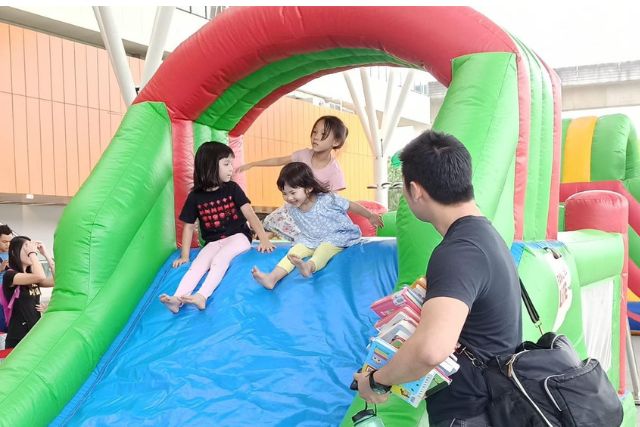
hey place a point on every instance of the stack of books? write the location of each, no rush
(399, 316)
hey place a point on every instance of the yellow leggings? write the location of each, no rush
(320, 255)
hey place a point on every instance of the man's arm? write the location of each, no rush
(435, 338)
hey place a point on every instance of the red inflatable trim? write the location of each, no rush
(243, 40)
(552, 217)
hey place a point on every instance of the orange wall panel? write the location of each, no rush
(71, 139)
(8, 181)
(20, 148)
(92, 78)
(44, 66)
(5, 59)
(84, 156)
(60, 105)
(103, 80)
(59, 149)
(80, 52)
(16, 38)
(105, 129)
(48, 162)
(33, 146)
(31, 63)
(114, 92)
(69, 74)
(57, 70)
(94, 136)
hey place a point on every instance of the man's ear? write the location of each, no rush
(416, 192)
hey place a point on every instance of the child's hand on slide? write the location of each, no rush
(179, 262)
(266, 246)
(376, 220)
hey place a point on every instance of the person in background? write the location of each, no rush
(22, 280)
(6, 234)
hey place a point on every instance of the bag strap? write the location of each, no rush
(465, 350)
(531, 309)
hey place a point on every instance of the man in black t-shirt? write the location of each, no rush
(473, 293)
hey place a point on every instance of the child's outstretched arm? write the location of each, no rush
(265, 245)
(187, 235)
(374, 219)
(275, 161)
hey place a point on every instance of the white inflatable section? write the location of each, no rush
(597, 313)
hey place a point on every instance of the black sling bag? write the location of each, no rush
(545, 384)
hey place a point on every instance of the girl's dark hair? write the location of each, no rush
(15, 248)
(300, 175)
(333, 125)
(205, 171)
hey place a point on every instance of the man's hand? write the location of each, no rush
(179, 262)
(365, 391)
(42, 307)
(4, 264)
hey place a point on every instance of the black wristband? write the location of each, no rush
(32, 252)
(377, 387)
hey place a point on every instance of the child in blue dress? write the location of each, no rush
(321, 216)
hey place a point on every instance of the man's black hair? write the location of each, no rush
(441, 165)
(5, 229)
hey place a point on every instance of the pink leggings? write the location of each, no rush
(215, 257)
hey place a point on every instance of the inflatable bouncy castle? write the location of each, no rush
(603, 153)
(115, 355)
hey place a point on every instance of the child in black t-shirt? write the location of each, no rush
(222, 210)
(24, 278)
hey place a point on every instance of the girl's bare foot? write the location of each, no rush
(306, 267)
(264, 279)
(172, 303)
(198, 300)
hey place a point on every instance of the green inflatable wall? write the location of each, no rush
(115, 259)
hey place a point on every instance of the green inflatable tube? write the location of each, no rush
(108, 251)
(482, 115)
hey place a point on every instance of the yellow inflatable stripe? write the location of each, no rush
(631, 297)
(577, 150)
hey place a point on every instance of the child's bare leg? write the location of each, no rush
(307, 268)
(268, 280)
(172, 303)
(196, 299)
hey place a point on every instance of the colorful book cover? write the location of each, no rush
(397, 333)
(390, 303)
(404, 313)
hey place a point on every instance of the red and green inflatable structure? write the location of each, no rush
(502, 101)
(603, 153)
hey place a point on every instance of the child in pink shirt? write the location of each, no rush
(328, 133)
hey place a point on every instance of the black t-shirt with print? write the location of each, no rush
(217, 211)
(473, 264)
(24, 315)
